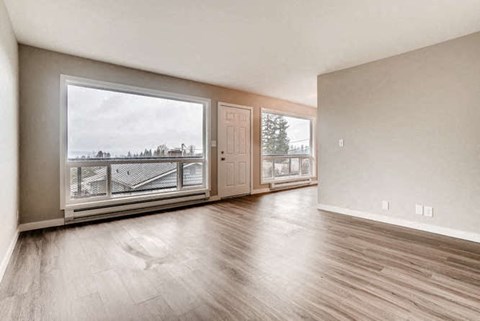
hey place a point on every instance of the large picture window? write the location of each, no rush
(127, 142)
(286, 147)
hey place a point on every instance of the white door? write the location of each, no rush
(233, 150)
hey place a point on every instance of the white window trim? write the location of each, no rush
(312, 142)
(97, 84)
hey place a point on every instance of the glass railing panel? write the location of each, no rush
(281, 167)
(140, 178)
(306, 167)
(192, 174)
(294, 166)
(267, 169)
(88, 181)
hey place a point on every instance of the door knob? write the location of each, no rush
(223, 158)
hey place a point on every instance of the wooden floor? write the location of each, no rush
(269, 257)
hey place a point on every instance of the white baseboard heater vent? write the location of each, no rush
(110, 211)
(275, 186)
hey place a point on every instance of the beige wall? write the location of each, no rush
(411, 128)
(39, 117)
(8, 133)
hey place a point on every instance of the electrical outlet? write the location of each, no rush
(428, 211)
(385, 205)
(419, 209)
(340, 142)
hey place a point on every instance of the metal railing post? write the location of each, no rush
(109, 180)
(79, 180)
(179, 175)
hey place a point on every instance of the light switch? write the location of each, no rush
(419, 209)
(385, 205)
(428, 211)
(340, 142)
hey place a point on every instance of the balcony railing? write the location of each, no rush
(285, 167)
(93, 180)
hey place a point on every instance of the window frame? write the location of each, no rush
(66, 203)
(311, 156)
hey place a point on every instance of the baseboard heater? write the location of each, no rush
(275, 186)
(117, 210)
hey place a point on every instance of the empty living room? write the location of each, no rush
(211, 160)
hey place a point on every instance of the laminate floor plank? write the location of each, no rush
(263, 257)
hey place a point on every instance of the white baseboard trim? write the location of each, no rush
(464, 235)
(260, 191)
(214, 198)
(41, 224)
(8, 255)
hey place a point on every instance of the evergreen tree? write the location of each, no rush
(275, 140)
(282, 141)
(161, 150)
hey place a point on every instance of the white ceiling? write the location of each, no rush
(271, 47)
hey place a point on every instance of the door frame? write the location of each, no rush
(250, 109)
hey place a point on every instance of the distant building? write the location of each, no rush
(142, 177)
(176, 152)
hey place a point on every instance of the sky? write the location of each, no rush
(298, 131)
(117, 122)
